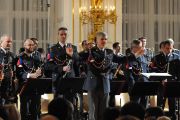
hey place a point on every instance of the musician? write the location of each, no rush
(63, 57)
(148, 53)
(97, 83)
(174, 49)
(136, 64)
(163, 63)
(7, 85)
(36, 52)
(117, 73)
(84, 55)
(28, 67)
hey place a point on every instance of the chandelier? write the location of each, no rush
(97, 15)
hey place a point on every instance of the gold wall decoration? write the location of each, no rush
(97, 14)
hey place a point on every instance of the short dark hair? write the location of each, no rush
(161, 44)
(61, 108)
(142, 38)
(135, 42)
(115, 45)
(83, 42)
(154, 112)
(34, 40)
(111, 113)
(167, 42)
(62, 28)
(134, 109)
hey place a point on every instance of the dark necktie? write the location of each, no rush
(64, 47)
(167, 58)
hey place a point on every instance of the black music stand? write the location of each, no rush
(172, 89)
(37, 86)
(71, 86)
(157, 76)
(145, 88)
(118, 87)
(74, 84)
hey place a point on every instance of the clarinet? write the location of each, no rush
(68, 64)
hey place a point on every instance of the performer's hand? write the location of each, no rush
(69, 51)
(1, 76)
(66, 68)
(38, 72)
(33, 75)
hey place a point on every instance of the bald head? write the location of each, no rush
(5, 41)
(29, 45)
(48, 117)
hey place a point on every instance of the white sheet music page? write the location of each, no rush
(156, 74)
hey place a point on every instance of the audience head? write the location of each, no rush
(134, 109)
(153, 113)
(111, 113)
(62, 34)
(128, 117)
(163, 118)
(3, 113)
(49, 117)
(61, 108)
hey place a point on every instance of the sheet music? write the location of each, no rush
(148, 75)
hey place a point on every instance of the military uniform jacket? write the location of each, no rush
(135, 66)
(25, 65)
(99, 67)
(8, 65)
(58, 59)
(171, 64)
(83, 62)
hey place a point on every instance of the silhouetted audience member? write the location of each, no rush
(61, 108)
(111, 113)
(134, 109)
(49, 117)
(163, 118)
(153, 113)
(3, 113)
(128, 117)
